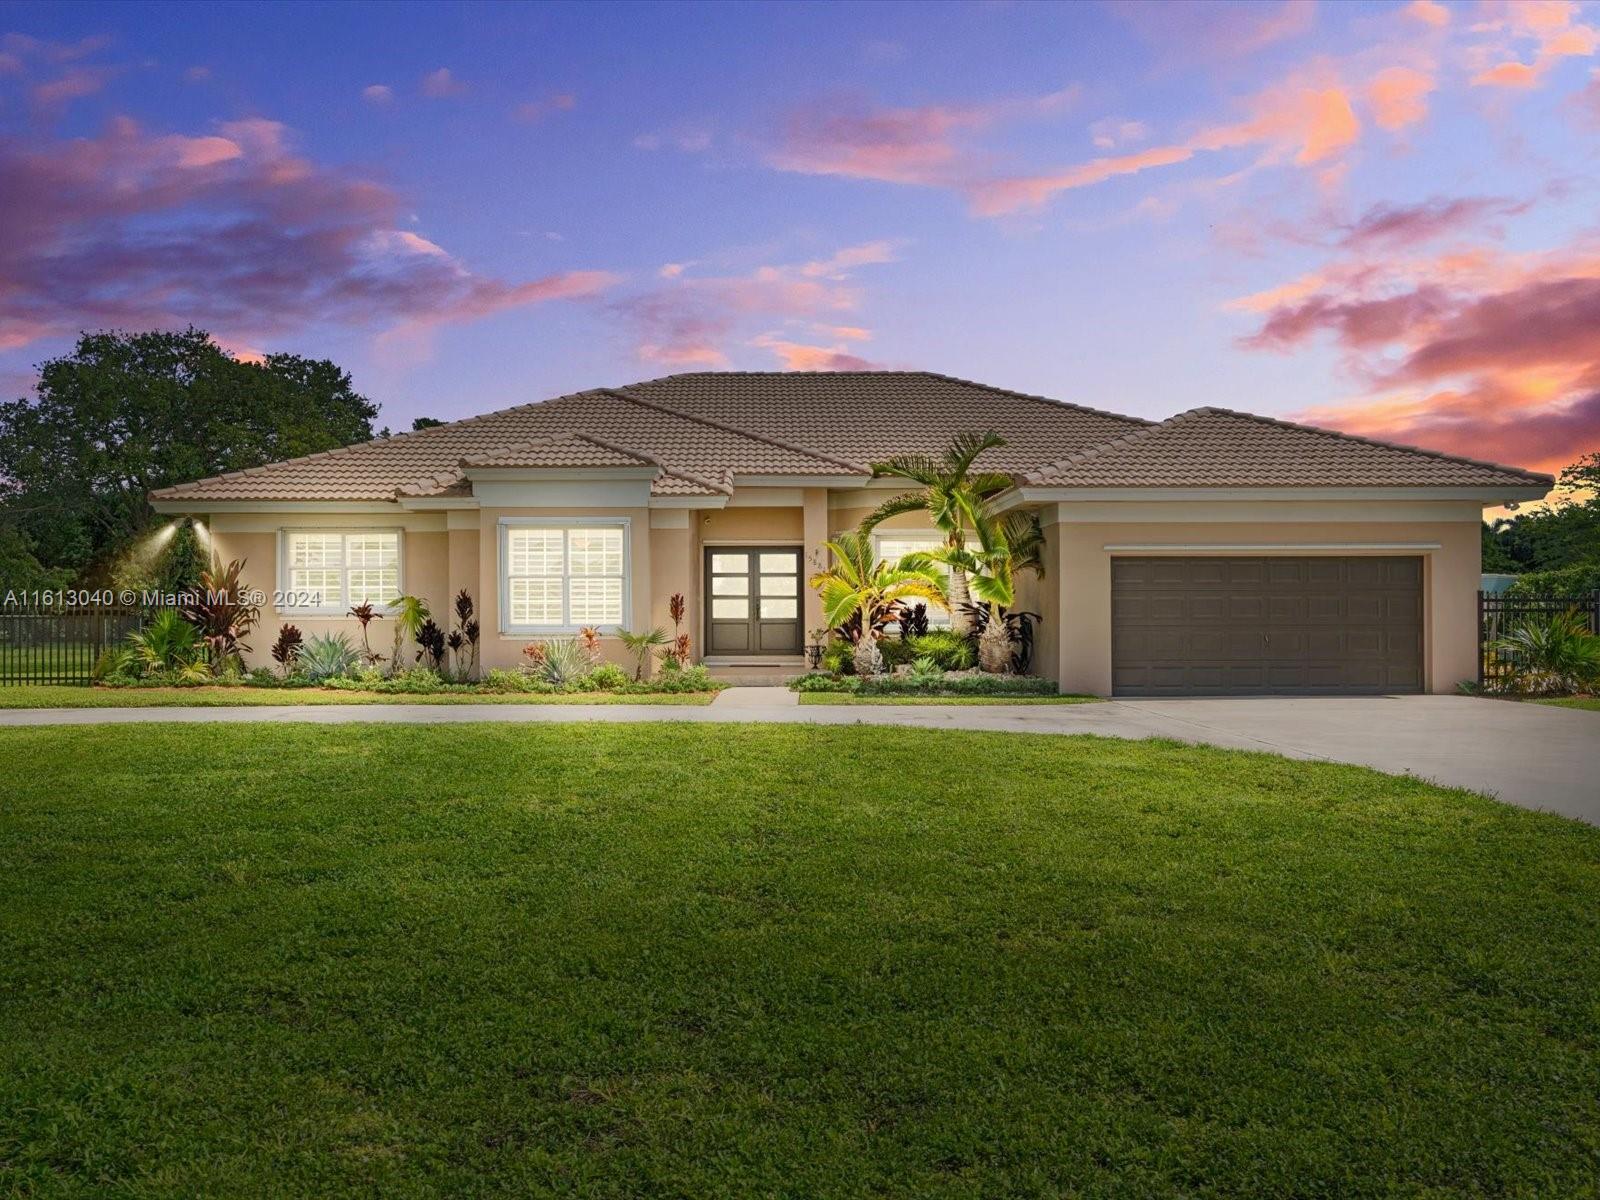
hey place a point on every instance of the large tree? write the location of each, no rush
(126, 413)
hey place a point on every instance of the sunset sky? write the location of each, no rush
(1380, 217)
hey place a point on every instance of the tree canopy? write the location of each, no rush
(1563, 534)
(125, 413)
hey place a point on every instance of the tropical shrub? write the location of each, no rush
(366, 615)
(678, 653)
(463, 639)
(607, 677)
(328, 656)
(926, 685)
(913, 621)
(895, 652)
(925, 670)
(220, 612)
(949, 649)
(1551, 653)
(838, 657)
(430, 644)
(286, 650)
(1581, 580)
(166, 643)
(115, 662)
(860, 584)
(689, 679)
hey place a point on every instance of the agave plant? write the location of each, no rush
(221, 612)
(167, 642)
(860, 584)
(642, 645)
(926, 670)
(564, 662)
(286, 650)
(328, 656)
(1554, 652)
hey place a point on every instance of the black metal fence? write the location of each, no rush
(1499, 614)
(60, 645)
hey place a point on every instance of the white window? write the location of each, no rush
(331, 570)
(557, 577)
(892, 547)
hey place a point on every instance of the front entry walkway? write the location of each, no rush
(1532, 755)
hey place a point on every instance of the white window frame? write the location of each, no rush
(286, 590)
(507, 524)
(938, 618)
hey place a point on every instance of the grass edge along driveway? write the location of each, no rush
(67, 696)
(629, 961)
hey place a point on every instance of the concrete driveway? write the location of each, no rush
(1526, 754)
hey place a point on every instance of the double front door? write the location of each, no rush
(753, 603)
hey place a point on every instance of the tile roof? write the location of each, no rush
(1216, 447)
(559, 450)
(868, 416)
(419, 463)
(702, 429)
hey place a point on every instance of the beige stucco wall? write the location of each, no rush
(1080, 646)
(253, 538)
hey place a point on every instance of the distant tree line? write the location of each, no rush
(126, 413)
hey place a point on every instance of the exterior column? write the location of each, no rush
(814, 532)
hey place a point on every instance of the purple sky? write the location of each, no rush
(1376, 216)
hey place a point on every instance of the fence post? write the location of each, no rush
(1482, 649)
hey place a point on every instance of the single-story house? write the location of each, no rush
(1215, 552)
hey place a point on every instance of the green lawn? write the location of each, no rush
(846, 698)
(778, 961)
(1590, 702)
(50, 696)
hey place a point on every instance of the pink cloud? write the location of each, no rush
(1398, 97)
(1428, 12)
(538, 110)
(689, 320)
(231, 230)
(797, 356)
(1480, 352)
(378, 93)
(835, 266)
(1208, 30)
(74, 85)
(441, 83)
(901, 145)
(1387, 226)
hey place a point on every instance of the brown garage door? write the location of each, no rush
(1266, 626)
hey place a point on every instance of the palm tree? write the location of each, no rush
(1006, 544)
(642, 644)
(859, 582)
(952, 495)
(410, 614)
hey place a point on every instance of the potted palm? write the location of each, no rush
(858, 583)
